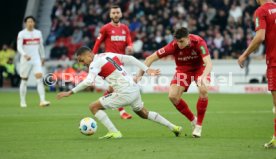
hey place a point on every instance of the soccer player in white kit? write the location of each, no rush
(126, 91)
(30, 46)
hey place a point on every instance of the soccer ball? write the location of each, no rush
(88, 126)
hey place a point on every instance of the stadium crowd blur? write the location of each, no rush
(226, 25)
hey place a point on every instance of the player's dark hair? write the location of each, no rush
(82, 50)
(114, 6)
(29, 17)
(181, 33)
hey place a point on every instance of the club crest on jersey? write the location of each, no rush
(194, 53)
(180, 53)
(113, 32)
(123, 32)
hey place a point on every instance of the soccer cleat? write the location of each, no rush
(193, 123)
(112, 135)
(44, 104)
(197, 131)
(177, 130)
(125, 115)
(271, 144)
(23, 105)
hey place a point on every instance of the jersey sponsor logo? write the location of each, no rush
(257, 22)
(161, 51)
(118, 38)
(203, 51)
(35, 41)
(114, 63)
(187, 58)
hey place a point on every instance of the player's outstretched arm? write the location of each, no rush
(202, 80)
(64, 94)
(149, 60)
(255, 43)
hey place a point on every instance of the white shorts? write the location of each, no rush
(117, 100)
(27, 67)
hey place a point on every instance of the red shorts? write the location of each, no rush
(185, 79)
(271, 78)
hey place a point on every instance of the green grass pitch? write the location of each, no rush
(235, 127)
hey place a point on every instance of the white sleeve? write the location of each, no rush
(132, 60)
(41, 47)
(20, 44)
(89, 80)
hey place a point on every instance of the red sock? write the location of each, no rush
(275, 127)
(120, 109)
(201, 109)
(183, 108)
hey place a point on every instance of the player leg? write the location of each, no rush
(97, 109)
(40, 85)
(25, 69)
(202, 103)
(139, 109)
(123, 113)
(271, 72)
(178, 86)
(101, 84)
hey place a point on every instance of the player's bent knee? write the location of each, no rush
(174, 99)
(38, 75)
(203, 92)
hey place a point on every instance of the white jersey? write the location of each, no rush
(109, 66)
(30, 43)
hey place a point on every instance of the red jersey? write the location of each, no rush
(116, 38)
(265, 18)
(188, 59)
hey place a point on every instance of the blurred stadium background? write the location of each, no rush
(226, 25)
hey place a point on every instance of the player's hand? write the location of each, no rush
(241, 61)
(136, 79)
(42, 62)
(129, 50)
(153, 72)
(27, 57)
(64, 94)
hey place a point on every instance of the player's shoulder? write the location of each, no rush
(195, 38)
(36, 31)
(106, 26)
(123, 25)
(23, 31)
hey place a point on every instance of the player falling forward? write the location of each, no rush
(126, 92)
(193, 64)
(117, 39)
(265, 27)
(30, 46)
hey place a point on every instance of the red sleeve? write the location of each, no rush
(259, 19)
(99, 40)
(128, 37)
(202, 48)
(166, 50)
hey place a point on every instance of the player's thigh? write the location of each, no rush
(25, 70)
(38, 70)
(115, 100)
(175, 91)
(137, 104)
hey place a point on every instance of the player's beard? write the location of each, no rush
(115, 20)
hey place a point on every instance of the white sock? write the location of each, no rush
(40, 89)
(23, 91)
(103, 118)
(159, 119)
(122, 112)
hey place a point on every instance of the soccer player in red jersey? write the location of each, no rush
(117, 39)
(193, 64)
(265, 27)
